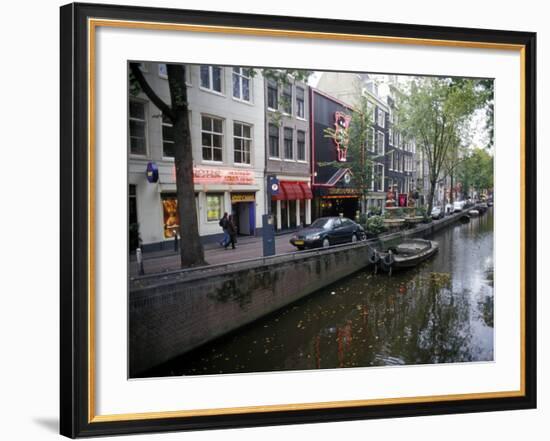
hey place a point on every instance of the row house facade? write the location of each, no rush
(288, 152)
(392, 153)
(226, 107)
(401, 156)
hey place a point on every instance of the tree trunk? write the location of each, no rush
(452, 198)
(191, 250)
(433, 183)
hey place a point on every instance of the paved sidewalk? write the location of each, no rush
(248, 247)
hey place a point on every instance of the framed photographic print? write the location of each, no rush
(273, 220)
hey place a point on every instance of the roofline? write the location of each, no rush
(330, 97)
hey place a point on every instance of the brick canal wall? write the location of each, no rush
(173, 313)
(178, 312)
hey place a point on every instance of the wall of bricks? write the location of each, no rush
(168, 318)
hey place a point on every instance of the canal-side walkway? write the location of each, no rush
(251, 247)
(248, 247)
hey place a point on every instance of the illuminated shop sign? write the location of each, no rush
(341, 134)
(212, 175)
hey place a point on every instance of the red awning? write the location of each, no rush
(281, 196)
(293, 190)
(306, 190)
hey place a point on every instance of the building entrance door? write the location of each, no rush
(243, 208)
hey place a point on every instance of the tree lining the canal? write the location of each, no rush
(177, 112)
(476, 171)
(436, 111)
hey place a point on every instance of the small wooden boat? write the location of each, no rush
(473, 213)
(408, 254)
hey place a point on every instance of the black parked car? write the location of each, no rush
(327, 231)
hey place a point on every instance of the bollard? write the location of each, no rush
(139, 258)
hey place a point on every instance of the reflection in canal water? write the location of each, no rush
(440, 312)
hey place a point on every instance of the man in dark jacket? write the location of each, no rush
(232, 231)
(224, 223)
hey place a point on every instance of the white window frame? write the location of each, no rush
(375, 173)
(372, 108)
(293, 158)
(145, 130)
(276, 158)
(303, 118)
(243, 139)
(211, 133)
(211, 79)
(381, 118)
(378, 133)
(167, 124)
(281, 103)
(273, 109)
(241, 77)
(305, 146)
(372, 146)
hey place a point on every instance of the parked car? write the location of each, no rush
(448, 209)
(438, 213)
(327, 231)
(458, 206)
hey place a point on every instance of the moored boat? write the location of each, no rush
(408, 254)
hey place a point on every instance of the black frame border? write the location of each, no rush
(74, 219)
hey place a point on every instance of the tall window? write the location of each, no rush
(214, 206)
(289, 151)
(381, 118)
(273, 141)
(301, 141)
(372, 110)
(242, 140)
(371, 138)
(378, 178)
(300, 103)
(138, 126)
(167, 137)
(390, 137)
(272, 95)
(380, 143)
(241, 83)
(212, 138)
(211, 78)
(287, 99)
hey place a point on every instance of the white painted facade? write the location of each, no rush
(222, 106)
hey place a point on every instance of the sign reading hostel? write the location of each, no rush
(214, 175)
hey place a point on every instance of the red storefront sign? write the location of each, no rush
(214, 175)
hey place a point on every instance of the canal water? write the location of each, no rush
(439, 312)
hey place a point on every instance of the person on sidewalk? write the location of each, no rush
(223, 223)
(232, 230)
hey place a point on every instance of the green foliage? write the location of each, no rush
(422, 211)
(375, 225)
(376, 211)
(437, 112)
(476, 171)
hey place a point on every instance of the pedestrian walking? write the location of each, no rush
(232, 230)
(224, 224)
